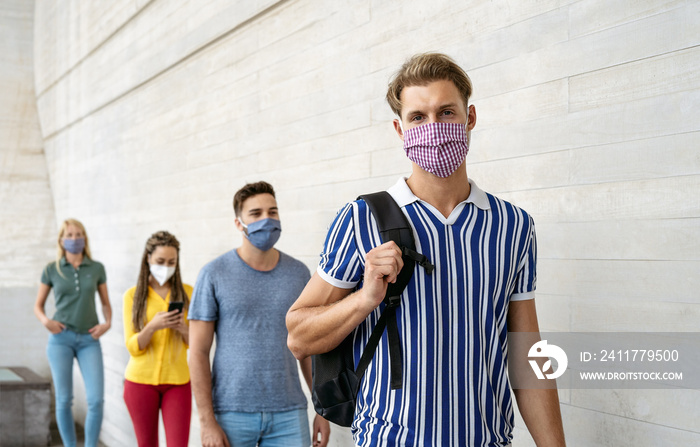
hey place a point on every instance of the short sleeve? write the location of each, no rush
(102, 277)
(341, 264)
(204, 305)
(526, 279)
(46, 277)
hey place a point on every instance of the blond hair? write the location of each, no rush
(423, 69)
(60, 251)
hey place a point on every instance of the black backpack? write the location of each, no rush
(335, 380)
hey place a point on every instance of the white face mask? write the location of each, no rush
(161, 273)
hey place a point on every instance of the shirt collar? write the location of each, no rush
(403, 195)
(85, 261)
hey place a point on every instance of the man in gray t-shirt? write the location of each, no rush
(252, 394)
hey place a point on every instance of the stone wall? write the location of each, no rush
(154, 112)
(27, 220)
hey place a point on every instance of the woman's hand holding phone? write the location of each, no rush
(165, 320)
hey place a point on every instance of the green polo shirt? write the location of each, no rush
(74, 292)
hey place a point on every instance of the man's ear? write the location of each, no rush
(471, 117)
(237, 222)
(397, 127)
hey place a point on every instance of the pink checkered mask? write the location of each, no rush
(439, 148)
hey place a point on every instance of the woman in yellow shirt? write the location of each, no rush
(157, 376)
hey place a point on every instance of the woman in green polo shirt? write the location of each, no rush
(75, 329)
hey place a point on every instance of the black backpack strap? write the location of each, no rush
(372, 343)
(395, 353)
(393, 226)
(386, 320)
(422, 260)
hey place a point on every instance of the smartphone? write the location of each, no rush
(176, 305)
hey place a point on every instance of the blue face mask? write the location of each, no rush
(74, 246)
(264, 233)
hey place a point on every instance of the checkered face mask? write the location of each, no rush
(439, 148)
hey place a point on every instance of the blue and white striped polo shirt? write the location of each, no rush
(452, 324)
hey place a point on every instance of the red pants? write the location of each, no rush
(144, 401)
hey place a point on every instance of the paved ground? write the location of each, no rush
(56, 438)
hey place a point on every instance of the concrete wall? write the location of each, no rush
(27, 222)
(154, 112)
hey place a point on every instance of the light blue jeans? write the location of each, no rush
(62, 348)
(273, 429)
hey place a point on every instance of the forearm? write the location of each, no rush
(144, 337)
(107, 313)
(307, 372)
(106, 306)
(542, 415)
(186, 335)
(40, 313)
(538, 407)
(315, 330)
(40, 302)
(183, 329)
(200, 377)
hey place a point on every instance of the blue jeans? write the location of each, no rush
(267, 429)
(62, 348)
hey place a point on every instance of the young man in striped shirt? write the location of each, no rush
(452, 323)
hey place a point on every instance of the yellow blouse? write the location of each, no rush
(164, 360)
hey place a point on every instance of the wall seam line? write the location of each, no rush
(186, 57)
(94, 50)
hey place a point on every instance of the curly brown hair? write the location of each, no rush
(177, 291)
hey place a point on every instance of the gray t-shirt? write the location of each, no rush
(253, 368)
